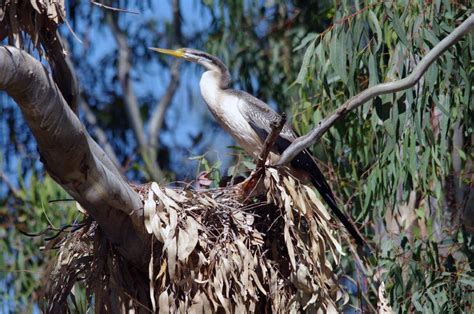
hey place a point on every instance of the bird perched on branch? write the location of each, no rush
(249, 121)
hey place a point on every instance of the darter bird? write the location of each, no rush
(249, 121)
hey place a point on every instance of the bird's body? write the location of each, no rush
(249, 121)
(238, 110)
(230, 116)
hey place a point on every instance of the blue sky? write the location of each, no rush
(188, 112)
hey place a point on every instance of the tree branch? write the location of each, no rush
(108, 7)
(269, 141)
(72, 157)
(61, 65)
(123, 73)
(304, 141)
(10, 186)
(158, 115)
(64, 76)
(130, 99)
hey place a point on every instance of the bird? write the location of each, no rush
(249, 121)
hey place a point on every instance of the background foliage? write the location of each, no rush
(401, 165)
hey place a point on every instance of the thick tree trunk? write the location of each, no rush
(72, 157)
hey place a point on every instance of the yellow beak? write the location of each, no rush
(178, 53)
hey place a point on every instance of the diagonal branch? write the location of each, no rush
(123, 73)
(108, 7)
(158, 115)
(10, 186)
(270, 141)
(304, 141)
(61, 65)
(72, 157)
(64, 76)
(130, 98)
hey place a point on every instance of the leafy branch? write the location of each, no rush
(315, 134)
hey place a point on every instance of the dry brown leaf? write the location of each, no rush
(152, 283)
(217, 285)
(171, 250)
(383, 305)
(156, 228)
(320, 206)
(149, 210)
(289, 246)
(231, 270)
(177, 197)
(164, 303)
(183, 240)
(34, 4)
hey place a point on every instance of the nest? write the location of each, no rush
(34, 17)
(222, 249)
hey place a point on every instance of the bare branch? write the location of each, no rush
(123, 69)
(61, 66)
(131, 102)
(71, 156)
(65, 79)
(304, 141)
(10, 186)
(158, 115)
(178, 36)
(101, 5)
(269, 141)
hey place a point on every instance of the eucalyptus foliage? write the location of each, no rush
(33, 216)
(401, 163)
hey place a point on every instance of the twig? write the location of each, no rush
(52, 228)
(72, 31)
(61, 200)
(101, 5)
(251, 183)
(304, 141)
(270, 140)
(349, 17)
(9, 184)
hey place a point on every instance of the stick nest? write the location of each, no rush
(222, 249)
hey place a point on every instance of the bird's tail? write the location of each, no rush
(305, 161)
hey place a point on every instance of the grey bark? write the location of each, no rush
(72, 157)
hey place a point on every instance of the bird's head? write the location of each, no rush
(208, 61)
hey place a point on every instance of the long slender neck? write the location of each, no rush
(211, 89)
(224, 78)
(221, 73)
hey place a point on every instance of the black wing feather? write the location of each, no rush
(305, 161)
